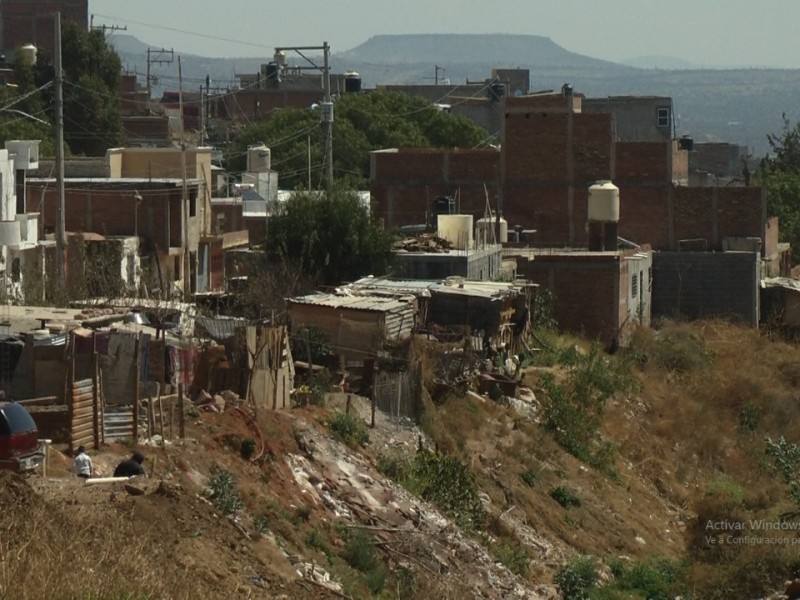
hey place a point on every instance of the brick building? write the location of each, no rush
(551, 153)
(31, 22)
(597, 294)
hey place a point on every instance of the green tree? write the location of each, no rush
(22, 111)
(779, 175)
(362, 123)
(331, 235)
(92, 121)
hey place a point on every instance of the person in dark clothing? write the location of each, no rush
(131, 466)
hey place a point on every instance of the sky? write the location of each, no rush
(713, 33)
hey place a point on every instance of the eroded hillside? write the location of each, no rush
(623, 458)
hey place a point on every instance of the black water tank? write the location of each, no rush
(686, 143)
(496, 91)
(352, 82)
(566, 89)
(273, 71)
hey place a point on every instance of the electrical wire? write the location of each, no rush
(184, 31)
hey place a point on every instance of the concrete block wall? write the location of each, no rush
(707, 284)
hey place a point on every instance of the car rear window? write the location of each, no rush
(15, 419)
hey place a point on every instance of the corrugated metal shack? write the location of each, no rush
(358, 326)
(373, 334)
(494, 311)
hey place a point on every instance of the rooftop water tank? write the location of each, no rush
(259, 159)
(496, 91)
(603, 202)
(486, 228)
(272, 71)
(352, 82)
(456, 229)
(26, 55)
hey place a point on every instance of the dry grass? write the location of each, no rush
(51, 551)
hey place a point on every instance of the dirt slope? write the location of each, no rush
(318, 519)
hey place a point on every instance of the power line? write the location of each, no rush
(184, 31)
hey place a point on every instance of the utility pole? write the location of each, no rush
(59, 130)
(185, 195)
(326, 106)
(157, 57)
(104, 28)
(436, 69)
(327, 115)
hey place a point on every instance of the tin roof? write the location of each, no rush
(452, 285)
(357, 302)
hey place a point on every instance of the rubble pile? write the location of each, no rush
(424, 242)
(405, 527)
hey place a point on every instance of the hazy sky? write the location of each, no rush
(703, 32)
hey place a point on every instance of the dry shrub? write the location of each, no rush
(53, 551)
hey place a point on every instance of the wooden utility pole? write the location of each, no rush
(185, 195)
(59, 131)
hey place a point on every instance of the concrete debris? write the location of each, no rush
(318, 575)
(424, 242)
(134, 490)
(352, 491)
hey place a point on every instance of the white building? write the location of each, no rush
(19, 231)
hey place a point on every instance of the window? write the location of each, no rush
(634, 286)
(193, 204)
(663, 116)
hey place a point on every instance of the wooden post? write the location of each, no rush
(181, 412)
(68, 392)
(347, 406)
(160, 414)
(308, 352)
(95, 402)
(136, 367)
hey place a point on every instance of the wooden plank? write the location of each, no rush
(136, 395)
(82, 430)
(181, 415)
(96, 417)
(83, 407)
(81, 421)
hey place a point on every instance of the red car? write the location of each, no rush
(19, 439)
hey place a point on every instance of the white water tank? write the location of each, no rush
(486, 228)
(259, 159)
(456, 229)
(26, 55)
(604, 202)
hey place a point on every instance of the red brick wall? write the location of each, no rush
(585, 289)
(593, 147)
(242, 103)
(739, 212)
(642, 162)
(644, 215)
(112, 212)
(404, 183)
(31, 21)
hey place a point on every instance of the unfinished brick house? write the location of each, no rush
(552, 151)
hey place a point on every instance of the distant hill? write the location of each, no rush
(497, 49)
(734, 105)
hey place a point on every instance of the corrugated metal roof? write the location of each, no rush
(357, 302)
(221, 328)
(422, 287)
